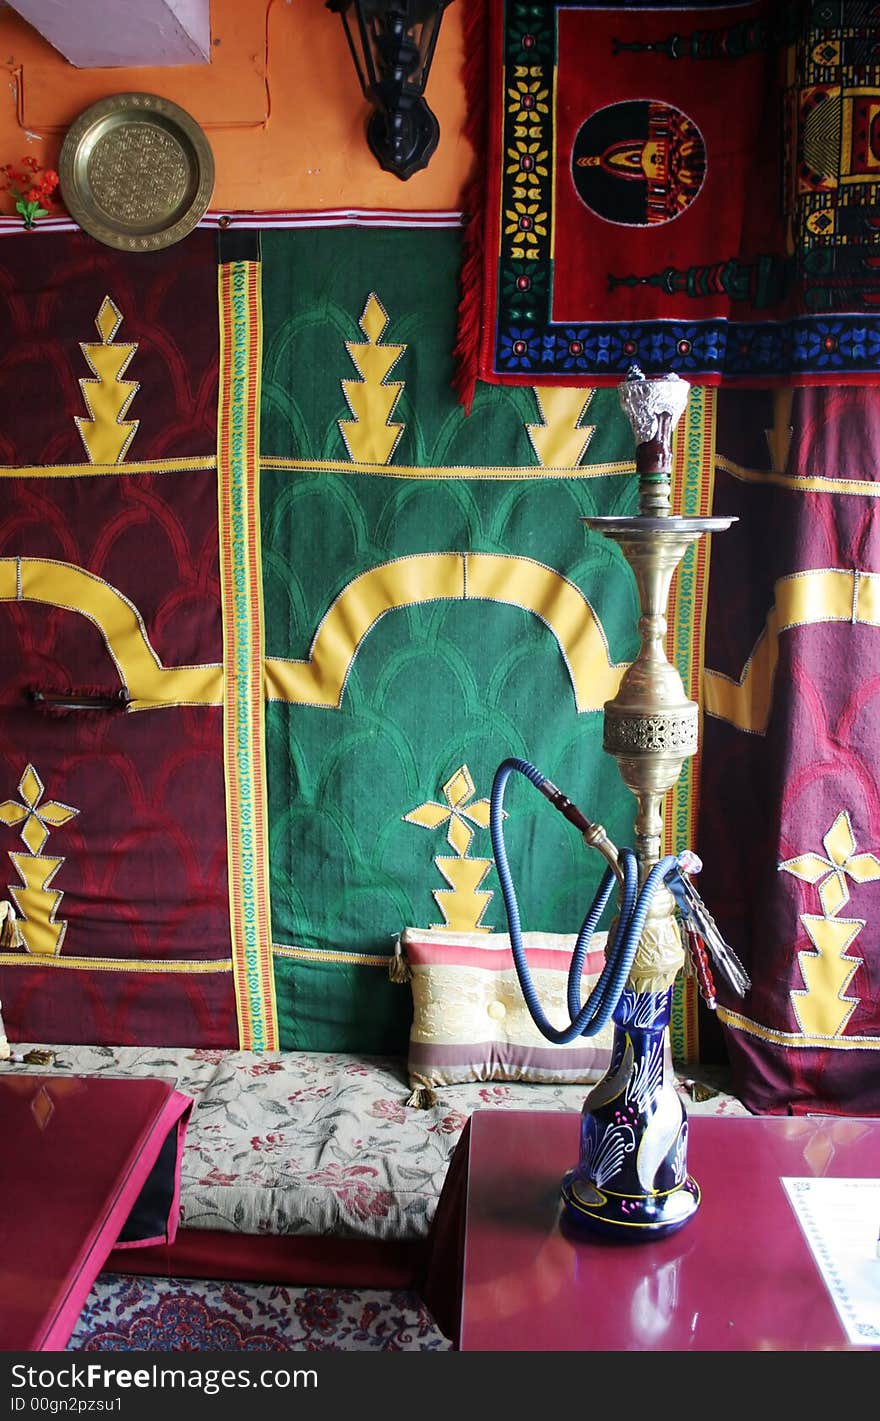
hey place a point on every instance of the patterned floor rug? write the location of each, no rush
(128, 1314)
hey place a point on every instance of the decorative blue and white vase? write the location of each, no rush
(631, 1179)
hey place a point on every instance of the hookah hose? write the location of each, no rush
(596, 1011)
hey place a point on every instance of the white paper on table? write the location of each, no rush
(840, 1219)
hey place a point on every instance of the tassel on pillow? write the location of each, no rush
(10, 932)
(422, 1098)
(398, 967)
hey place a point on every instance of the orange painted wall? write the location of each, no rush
(280, 104)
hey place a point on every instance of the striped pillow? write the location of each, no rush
(471, 1022)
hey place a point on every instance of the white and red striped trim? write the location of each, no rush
(329, 217)
(425, 954)
(333, 217)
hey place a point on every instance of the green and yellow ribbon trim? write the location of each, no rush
(238, 478)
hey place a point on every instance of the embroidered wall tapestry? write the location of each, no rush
(245, 494)
(790, 809)
(690, 187)
(432, 604)
(113, 820)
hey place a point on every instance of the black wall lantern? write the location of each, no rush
(392, 44)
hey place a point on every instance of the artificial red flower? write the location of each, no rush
(31, 188)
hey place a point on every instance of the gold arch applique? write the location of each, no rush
(182, 465)
(797, 483)
(433, 577)
(148, 682)
(502, 473)
(152, 966)
(739, 1022)
(801, 599)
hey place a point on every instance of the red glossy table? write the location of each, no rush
(738, 1277)
(75, 1153)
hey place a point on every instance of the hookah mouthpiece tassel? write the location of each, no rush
(700, 924)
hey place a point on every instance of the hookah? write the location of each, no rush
(631, 1179)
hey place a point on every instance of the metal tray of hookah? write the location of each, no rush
(667, 523)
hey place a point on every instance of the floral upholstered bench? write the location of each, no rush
(302, 1148)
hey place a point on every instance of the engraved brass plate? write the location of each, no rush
(136, 172)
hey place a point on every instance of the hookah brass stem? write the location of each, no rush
(651, 725)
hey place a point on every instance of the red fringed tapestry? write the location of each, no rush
(689, 187)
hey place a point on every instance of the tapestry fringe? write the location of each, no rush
(476, 88)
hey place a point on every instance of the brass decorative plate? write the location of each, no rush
(136, 172)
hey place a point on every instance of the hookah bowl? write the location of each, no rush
(631, 1178)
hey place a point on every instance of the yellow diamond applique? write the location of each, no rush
(863, 868)
(34, 833)
(809, 867)
(459, 788)
(479, 812)
(30, 787)
(108, 320)
(56, 814)
(459, 835)
(374, 319)
(839, 841)
(429, 815)
(11, 812)
(833, 894)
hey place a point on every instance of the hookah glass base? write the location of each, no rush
(631, 1179)
(633, 1218)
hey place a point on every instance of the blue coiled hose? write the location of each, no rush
(590, 1017)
